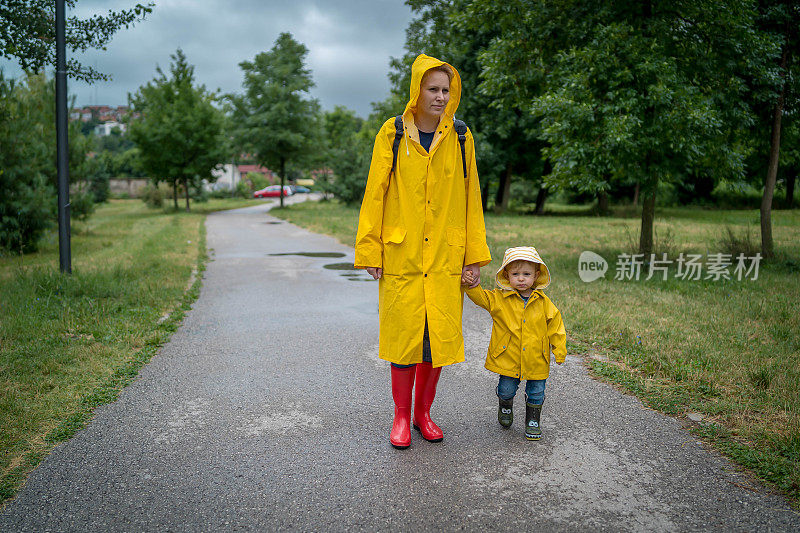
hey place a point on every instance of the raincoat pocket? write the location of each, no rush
(392, 238)
(456, 240)
(546, 350)
(500, 358)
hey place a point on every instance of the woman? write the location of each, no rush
(420, 228)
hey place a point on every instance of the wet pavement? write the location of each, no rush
(269, 410)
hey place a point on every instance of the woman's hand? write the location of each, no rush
(375, 272)
(472, 272)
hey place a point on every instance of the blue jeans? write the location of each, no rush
(534, 389)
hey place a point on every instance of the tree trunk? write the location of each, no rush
(283, 177)
(501, 199)
(790, 179)
(186, 186)
(636, 195)
(648, 214)
(485, 197)
(767, 249)
(540, 198)
(175, 193)
(602, 203)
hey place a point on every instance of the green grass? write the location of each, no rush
(729, 350)
(69, 343)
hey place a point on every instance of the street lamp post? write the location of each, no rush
(62, 153)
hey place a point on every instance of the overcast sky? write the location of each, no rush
(349, 42)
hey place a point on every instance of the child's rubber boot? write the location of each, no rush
(505, 413)
(402, 385)
(427, 378)
(533, 413)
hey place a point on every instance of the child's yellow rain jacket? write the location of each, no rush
(422, 224)
(522, 334)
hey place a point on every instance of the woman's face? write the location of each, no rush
(434, 93)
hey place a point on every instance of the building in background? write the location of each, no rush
(227, 178)
(101, 130)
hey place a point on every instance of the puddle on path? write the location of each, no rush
(348, 270)
(340, 266)
(272, 222)
(353, 276)
(314, 254)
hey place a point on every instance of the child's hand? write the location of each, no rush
(467, 278)
(559, 362)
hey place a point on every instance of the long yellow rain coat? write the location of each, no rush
(522, 334)
(421, 224)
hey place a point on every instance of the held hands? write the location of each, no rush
(467, 278)
(471, 276)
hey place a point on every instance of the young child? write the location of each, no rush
(525, 326)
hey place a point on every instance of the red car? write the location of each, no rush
(273, 191)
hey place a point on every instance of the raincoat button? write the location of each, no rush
(426, 275)
(523, 349)
(426, 239)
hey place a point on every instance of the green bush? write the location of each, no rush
(199, 194)
(737, 196)
(257, 181)
(243, 190)
(99, 187)
(26, 211)
(152, 196)
(81, 205)
(26, 196)
(220, 193)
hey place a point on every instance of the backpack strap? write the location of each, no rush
(398, 134)
(461, 129)
(459, 125)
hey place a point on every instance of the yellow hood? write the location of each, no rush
(421, 65)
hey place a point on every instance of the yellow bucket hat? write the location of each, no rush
(522, 253)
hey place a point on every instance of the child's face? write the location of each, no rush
(522, 275)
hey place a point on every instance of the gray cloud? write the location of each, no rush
(349, 41)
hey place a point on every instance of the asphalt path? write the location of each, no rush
(269, 410)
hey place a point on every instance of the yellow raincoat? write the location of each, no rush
(421, 225)
(522, 333)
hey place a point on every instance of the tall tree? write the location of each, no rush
(25, 194)
(780, 20)
(27, 152)
(506, 138)
(646, 91)
(177, 128)
(347, 154)
(276, 119)
(28, 33)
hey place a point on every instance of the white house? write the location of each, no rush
(101, 130)
(227, 178)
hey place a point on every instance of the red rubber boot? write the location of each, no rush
(427, 378)
(402, 383)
